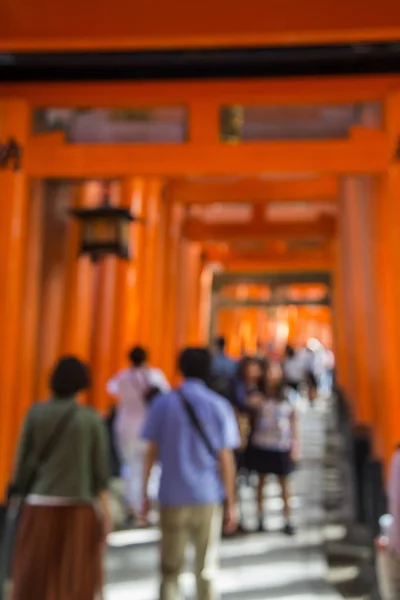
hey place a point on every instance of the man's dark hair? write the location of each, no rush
(138, 356)
(220, 343)
(69, 377)
(195, 363)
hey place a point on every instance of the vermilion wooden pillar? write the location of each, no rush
(190, 267)
(152, 273)
(14, 122)
(159, 344)
(64, 280)
(103, 323)
(386, 220)
(28, 337)
(357, 287)
(76, 323)
(171, 291)
(142, 259)
(340, 300)
(205, 302)
(127, 292)
(196, 260)
(146, 284)
(387, 274)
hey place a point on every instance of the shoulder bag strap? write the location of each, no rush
(50, 445)
(197, 424)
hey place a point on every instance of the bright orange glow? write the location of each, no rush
(248, 328)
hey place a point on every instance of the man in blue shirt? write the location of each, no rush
(198, 475)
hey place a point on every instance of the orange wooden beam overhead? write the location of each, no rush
(196, 230)
(290, 91)
(231, 253)
(366, 151)
(323, 187)
(278, 264)
(177, 24)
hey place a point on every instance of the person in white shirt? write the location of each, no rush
(294, 368)
(328, 366)
(133, 387)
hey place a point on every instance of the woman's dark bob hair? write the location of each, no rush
(69, 377)
(241, 372)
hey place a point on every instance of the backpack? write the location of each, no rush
(152, 392)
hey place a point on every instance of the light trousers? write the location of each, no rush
(201, 525)
(388, 571)
(133, 452)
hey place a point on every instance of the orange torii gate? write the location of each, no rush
(154, 298)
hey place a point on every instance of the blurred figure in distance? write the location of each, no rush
(133, 388)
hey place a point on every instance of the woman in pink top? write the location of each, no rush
(388, 544)
(394, 502)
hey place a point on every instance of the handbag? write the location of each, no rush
(17, 498)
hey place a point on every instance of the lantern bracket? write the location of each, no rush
(396, 155)
(11, 152)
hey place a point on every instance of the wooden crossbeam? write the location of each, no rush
(294, 276)
(313, 188)
(255, 303)
(264, 260)
(198, 231)
(366, 151)
(261, 255)
(277, 249)
(222, 92)
(279, 264)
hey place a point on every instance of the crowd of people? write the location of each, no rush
(188, 443)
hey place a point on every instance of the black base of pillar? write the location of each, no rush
(374, 495)
(362, 448)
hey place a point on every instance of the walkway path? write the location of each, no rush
(255, 566)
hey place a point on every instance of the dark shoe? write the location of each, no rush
(261, 526)
(289, 529)
(130, 521)
(241, 530)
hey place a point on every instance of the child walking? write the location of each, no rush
(274, 444)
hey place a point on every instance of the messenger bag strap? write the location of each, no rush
(197, 424)
(50, 445)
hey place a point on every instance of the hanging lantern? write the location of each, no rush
(105, 229)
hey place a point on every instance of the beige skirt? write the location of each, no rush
(58, 554)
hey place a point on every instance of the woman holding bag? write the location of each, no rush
(66, 516)
(274, 443)
(245, 399)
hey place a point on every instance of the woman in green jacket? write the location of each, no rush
(66, 517)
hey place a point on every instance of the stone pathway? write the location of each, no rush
(254, 566)
(348, 545)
